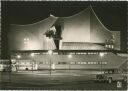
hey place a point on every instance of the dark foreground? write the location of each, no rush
(55, 81)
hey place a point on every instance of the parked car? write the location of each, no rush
(110, 77)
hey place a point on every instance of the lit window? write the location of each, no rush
(105, 45)
(95, 53)
(24, 39)
(79, 62)
(85, 63)
(109, 46)
(82, 62)
(85, 53)
(88, 62)
(105, 62)
(78, 53)
(97, 62)
(55, 53)
(112, 47)
(72, 62)
(94, 62)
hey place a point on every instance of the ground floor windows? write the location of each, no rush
(62, 63)
(93, 63)
(78, 63)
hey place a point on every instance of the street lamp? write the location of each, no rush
(101, 55)
(18, 56)
(32, 55)
(69, 56)
(50, 53)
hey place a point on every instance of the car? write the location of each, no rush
(110, 77)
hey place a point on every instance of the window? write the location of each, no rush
(72, 62)
(94, 62)
(62, 62)
(79, 62)
(55, 53)
(109, 46)
(105, 45)
(84, 52)
(82, 62)
(78, 53)
(105, 62)
(112, 47)
(91, 62)
(46, 63)
(85, 62)
(88, 62)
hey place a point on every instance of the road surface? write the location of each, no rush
(55, 81)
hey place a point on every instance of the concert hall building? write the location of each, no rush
(80, 41)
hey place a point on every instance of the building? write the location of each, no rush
(75, 42)
(98, 37)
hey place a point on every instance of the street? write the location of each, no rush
(57, 80)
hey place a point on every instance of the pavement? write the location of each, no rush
(56, 81)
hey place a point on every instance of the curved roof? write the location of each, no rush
(82, 27)
(35, 33)
(86, 25)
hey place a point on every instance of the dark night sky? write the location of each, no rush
(112, 14)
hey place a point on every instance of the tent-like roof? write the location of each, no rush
(31, 36)
(80, 30)
(84, 27)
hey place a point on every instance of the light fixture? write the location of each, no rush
(101, 54)
(70, 56)
(32, 54)
(18, 56)
(50, 52)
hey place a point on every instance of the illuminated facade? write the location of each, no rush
(81, 39)
(69, 61)
(32, 36)
(82, 31)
